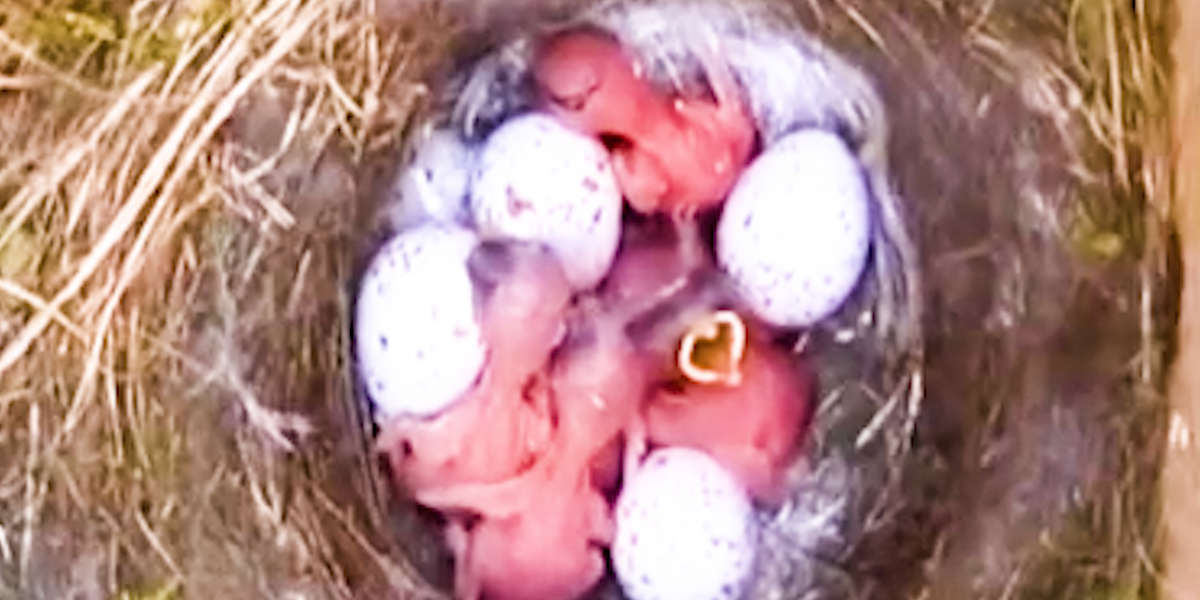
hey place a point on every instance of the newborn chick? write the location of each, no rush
(540, 532)
(596, 390)
(752, 428)
(600, 383)
(499, 426)
(547, 548)
(678, 155)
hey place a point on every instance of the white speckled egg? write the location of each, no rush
(434, 186)
(795, 233)
(538, 180)
(418, 343)
(685, 530)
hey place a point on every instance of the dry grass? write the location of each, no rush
(1118, 54)
(1036, 166)
(158, 282)
(185, 187)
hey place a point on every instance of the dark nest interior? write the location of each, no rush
(189, 189)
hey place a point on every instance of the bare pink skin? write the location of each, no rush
(683, 154)
(752, 429)
(606, 466)
(548, 549)
(499, 427)
(516, 465)
(488, 436)
(540, 532)
(597, 391)
(599, 386)
(648, 268)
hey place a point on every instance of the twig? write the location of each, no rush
(6, 552)
(20, 293)
(66, 162)
(401, 577)
(161, 550)
(863, 24)
(224, 108)
(30, 504)
(872, 429)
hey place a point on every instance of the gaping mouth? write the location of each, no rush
(712, 349)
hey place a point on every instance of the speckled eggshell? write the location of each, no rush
(795, 233)
(433, 187)
(685, 530)
(418, 343)
(538, 180)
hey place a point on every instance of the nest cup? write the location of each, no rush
(969, 218)
(182, 231)
(792, 82)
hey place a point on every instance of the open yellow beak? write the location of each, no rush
(712, 349)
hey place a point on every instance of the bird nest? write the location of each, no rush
(191, 188)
